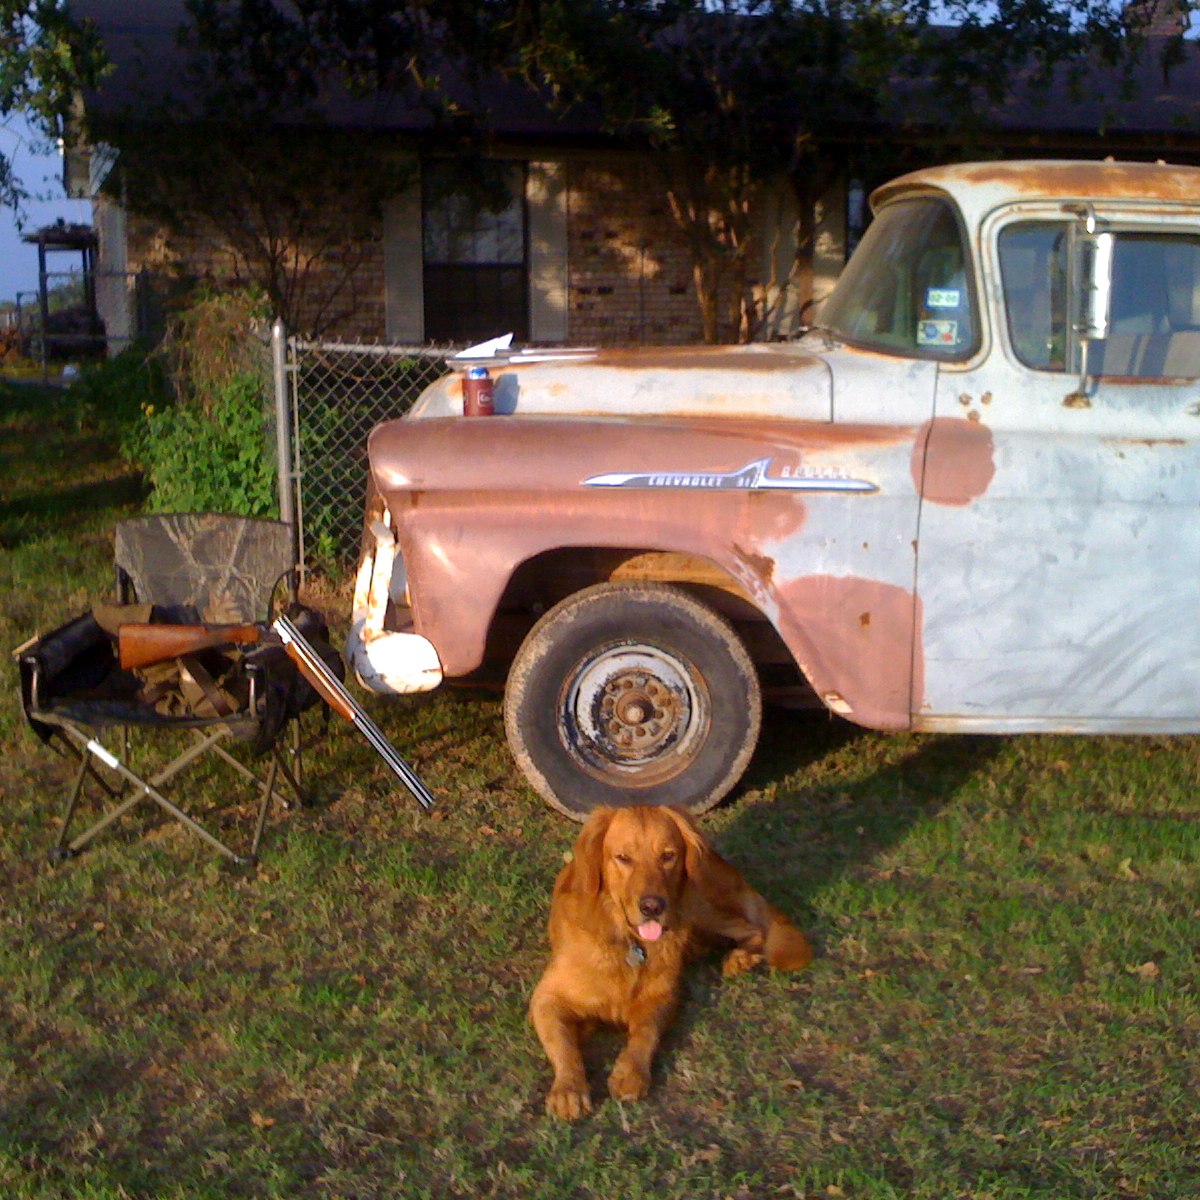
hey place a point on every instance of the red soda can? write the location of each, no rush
(477, 393)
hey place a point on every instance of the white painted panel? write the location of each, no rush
(403, 268)
(546, 193)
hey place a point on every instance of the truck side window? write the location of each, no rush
(907, 289)
(1033, 271)
(1154, 323)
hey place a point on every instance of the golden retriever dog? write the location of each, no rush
(643, 891)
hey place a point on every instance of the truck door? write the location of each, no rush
(1059, 545)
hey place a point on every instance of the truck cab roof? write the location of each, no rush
(978, 188)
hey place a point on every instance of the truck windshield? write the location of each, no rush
(907, 289)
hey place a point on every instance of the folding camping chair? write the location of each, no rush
(191, 569)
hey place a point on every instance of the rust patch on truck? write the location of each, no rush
(554, 453)
(861, 646)
(455, 594)
(737, 358)
(1034, 179)
(761, 566)
(474, 499)
(953, 461)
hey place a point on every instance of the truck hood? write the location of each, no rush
(763, 381)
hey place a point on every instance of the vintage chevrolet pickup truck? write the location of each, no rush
(967, 499)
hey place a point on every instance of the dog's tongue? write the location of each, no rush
(650, 931)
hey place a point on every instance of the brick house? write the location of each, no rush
(585, 250)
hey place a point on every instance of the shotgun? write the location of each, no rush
(143, 645)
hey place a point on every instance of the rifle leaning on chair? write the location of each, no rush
(143, 645)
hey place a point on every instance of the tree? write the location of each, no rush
(45, 58)
(736, 94)
(250, 141)
(731, 95)
(292, 214)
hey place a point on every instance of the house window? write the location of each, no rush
(474, 242)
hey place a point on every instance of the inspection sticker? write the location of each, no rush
(937, 333)
(942, 298)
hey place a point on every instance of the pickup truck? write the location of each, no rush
(967, 499)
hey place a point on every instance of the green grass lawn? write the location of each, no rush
(1006, 1002)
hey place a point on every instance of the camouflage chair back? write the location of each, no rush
(190, 570)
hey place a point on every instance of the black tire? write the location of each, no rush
(632, 694)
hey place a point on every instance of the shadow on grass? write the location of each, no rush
(84, 1116)
(24, 517)
(824, 823)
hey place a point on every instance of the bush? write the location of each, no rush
(214, 459)
(114, 395)
(207, 443)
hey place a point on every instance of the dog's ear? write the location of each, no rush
(587, 856)
(697, 854)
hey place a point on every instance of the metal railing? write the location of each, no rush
(328, 397)
(110, 312)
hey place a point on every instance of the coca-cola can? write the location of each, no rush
(477, 393)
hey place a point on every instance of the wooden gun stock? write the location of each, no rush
(141, 645)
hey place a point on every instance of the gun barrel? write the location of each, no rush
(334, 693)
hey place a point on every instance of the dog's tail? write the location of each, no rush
(786, 948)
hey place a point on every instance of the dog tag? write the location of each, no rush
(636, 956)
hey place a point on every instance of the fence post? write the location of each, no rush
(286, 480)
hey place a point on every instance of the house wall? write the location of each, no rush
(630, 272)
(607, 265)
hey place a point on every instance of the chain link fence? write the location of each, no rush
(337, 394)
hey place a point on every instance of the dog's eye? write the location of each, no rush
(668, 857)
(623, 859)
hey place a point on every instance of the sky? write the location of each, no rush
(42, 176)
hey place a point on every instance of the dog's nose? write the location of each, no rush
(652, 906)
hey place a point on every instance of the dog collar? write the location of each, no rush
(635, 956)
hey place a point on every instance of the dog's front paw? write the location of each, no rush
(569, 1101)
(739, 960)
(628, 1081)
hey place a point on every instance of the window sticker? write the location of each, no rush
(937, 333)
(943, 297)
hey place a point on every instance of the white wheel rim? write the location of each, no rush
(633, 711)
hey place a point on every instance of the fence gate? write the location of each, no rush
(329, 396)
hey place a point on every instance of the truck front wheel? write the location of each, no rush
(632, 694)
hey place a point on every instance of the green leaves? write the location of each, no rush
(45, 58)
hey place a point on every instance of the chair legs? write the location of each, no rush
(89, 750)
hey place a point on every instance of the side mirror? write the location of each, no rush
(1095, 277)
(1092, 299)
